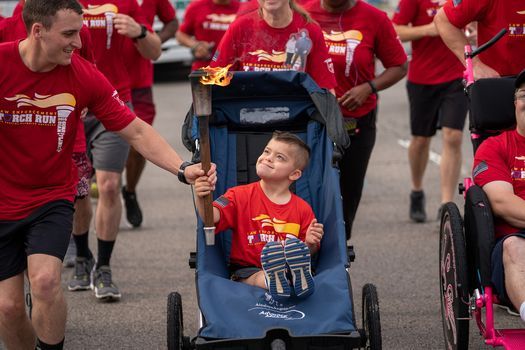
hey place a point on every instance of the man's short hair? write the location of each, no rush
(302, 155)
(44, 11)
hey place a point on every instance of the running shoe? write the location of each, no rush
(133, 212)
(105, 289)
(417, 206)
(274, 266)
(71, 253)
(297, 257)
(81, 279)
(93, 190)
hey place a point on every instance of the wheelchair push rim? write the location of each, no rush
(453, 279)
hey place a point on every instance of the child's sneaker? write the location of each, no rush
(297, 257)
(274, 267)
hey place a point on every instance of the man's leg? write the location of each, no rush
(134, 167)
(16, 330)
(514, 265)
(450, 166)
(418, 159)
(49, 304)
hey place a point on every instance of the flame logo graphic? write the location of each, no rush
(520, 158)
(94, 10)
(521, 12)
(275, 56)
(44, 101)
(221, 18)
(343, 36)
(279, 226)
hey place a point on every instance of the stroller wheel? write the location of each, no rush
(175, 327)
(371, 319)
(453, 279)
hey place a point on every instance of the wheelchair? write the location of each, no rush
(234, 315)
(466, 243)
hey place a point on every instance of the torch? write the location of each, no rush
(201, 81)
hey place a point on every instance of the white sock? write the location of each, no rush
(522, 311)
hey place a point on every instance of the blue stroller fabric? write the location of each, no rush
(256, 103)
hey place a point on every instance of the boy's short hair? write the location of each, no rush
(302, 155)
(43, 11)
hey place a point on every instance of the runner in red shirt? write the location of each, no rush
(204, 25)
(499, 168)
(111, 24)
(13, 28)
(44, 88)
(505, 57)
(141, 74)
(278, 37)
(436, 97)
(355, 33)
(265, 215)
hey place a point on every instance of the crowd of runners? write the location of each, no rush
(75, 75)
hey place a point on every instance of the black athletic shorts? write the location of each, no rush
(435, 106)
(44, 231)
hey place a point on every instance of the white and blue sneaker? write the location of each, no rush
(274, 266)
(297, 257)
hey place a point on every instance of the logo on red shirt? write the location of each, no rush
(101, 17)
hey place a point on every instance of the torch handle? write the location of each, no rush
(204, 141)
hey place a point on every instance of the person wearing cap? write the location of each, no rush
(502, 59)
(499, 165)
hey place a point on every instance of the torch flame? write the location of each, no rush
(216, 76)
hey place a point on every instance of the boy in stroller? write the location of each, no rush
(275, 231)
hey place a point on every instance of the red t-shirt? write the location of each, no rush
(39, 114)
(432, 62)
(354, 38)
(502, 158)
(208, 21)
(108, 45)
(250, 44)
(13, 28)
(256, 220)
(507, 56)
(141, 69)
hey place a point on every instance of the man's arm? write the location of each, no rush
(149, 46)
(505, 203)
(142, 137)
(200, 49)
(168, 30)
(409, 33)
(456, 40)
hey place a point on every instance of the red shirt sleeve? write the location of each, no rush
(188, 24)
(461, 13)
(165, 11)
(106, 104)
(406, 12)
(320, 65)
(87, 45)
(490, 164)
(226, 52)
(227, 207)
(388, 48)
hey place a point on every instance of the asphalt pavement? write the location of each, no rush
(399, 257)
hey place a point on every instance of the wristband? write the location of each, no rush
(180, 174)
(143, 33)
(372, 86)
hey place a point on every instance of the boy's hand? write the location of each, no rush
(314, 234)
(202, 187)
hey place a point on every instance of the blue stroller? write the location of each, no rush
(238, 316)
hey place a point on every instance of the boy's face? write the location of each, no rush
(277, 162)
(62, 38)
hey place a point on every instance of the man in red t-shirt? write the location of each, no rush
(265, 216)
(44, 89)
(437, 100)
(506, 57)
(499, 168)
(111, 25)
(204, 25)
(354, 44)
(141, 74)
